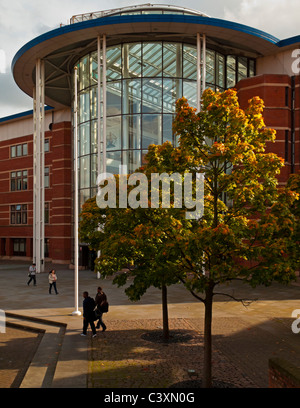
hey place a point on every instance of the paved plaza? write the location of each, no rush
(42, 346)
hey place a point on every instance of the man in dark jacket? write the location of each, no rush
(88, 314)
(100, 299)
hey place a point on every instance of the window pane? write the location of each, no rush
(19, 150)
(84, 73)
(113, 133)
(84, 139)
(132, 132)
(113, 63)
(210, 67)
(251, 68)
(151, 130)
(220, 67)
(231, 70)
(94, 68)
(47, 177)
(152, 59)
(171, 92)
(113, 161)
(152, 95)
(13, 151)
(84, 177)
(132, 57)
(190, 92)
(47, 213)
(167, 128)
(113, 101)
(25, 149)
(83, 196)
(242, 68)
(46, 145)
(94, 136)
(172, 60)
(94, 170)
(84, 106)
(94, 102)
(132, 96)
(132, 159)
(189, 62)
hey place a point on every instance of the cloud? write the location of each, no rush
(276, 17)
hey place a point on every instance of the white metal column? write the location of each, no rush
(101, 99)
(76, 260)
(201, 67)
(39, 168)
(101, 103)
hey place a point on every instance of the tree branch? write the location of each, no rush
(245, 302)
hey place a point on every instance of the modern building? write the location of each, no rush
(110, 80)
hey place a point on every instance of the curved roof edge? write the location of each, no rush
(209, 21)
(289, 41)
(21, 115)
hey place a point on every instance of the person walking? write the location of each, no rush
(52, 281)
(32, 274)
(101, 302)
(88, 314)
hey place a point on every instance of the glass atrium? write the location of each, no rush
(143, 81)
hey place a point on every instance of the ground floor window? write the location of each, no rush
(19, 246)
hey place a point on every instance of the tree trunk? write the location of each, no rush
(207, 374)
(165, 313)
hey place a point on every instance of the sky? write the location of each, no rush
(23, 20)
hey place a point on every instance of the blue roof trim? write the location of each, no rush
(289, 41)
(21, 115)
(140, 19)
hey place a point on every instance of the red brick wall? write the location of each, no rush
(59, 194)
(275, 90)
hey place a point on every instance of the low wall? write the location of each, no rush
(283, 374)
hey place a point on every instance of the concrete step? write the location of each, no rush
(39, 372)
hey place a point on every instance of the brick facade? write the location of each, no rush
(16, 239)
(281, 96)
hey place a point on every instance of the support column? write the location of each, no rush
(76, 312)
(101, 96)
(201, 67)
(39, 168)
(101, 41)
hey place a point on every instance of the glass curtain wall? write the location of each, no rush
(143, 81)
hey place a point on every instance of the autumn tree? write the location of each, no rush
(246, 229)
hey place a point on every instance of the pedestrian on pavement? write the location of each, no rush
(88, 314)
(52, 281)
(32, 274)
(101, 302)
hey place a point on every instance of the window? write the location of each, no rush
(19, 246)
(18, 214)
(18, 180)
(47, 177)
(19, 150)
(47, 213)
(47, 145)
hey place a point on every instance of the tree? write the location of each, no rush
(246, 231)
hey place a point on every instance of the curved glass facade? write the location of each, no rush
(143, 81)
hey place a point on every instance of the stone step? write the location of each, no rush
(40, 371)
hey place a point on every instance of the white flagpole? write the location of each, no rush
(76, 311)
